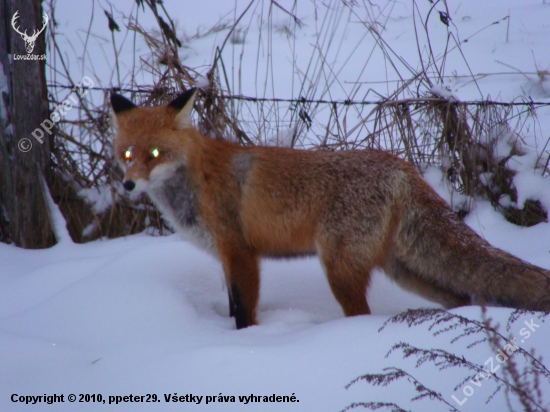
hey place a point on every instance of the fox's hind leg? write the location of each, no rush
(348, 281)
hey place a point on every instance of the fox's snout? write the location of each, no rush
(129, 185)
(136, 185)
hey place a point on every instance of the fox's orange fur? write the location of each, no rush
(356, 210)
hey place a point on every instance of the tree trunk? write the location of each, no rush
(24, 160)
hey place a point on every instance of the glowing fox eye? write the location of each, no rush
(155, 152)
(127, 154)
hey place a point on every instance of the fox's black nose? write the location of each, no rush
(129, 185)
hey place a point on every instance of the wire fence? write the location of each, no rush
(459, 137)
(149, 90)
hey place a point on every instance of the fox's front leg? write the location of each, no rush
(243, 282)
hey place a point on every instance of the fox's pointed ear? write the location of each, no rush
(120, 103)
(183, 104)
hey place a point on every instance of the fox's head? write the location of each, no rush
(149, 142)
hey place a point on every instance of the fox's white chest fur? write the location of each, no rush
(174, 195)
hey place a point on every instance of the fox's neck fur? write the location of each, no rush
(175, 187)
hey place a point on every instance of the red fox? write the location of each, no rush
(357, 210)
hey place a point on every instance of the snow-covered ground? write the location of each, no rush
(147, 315)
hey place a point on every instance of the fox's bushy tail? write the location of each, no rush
(436, 247)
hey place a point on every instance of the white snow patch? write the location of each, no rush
(486, 178)
(201, 81)
(283, 138)
(436, 179)
(100, 198)
(528, 181)
(90, 229)
(443, 90)
(56, 217)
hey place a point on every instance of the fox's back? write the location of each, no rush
(299, 195)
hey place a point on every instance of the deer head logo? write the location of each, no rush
(29, 40)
